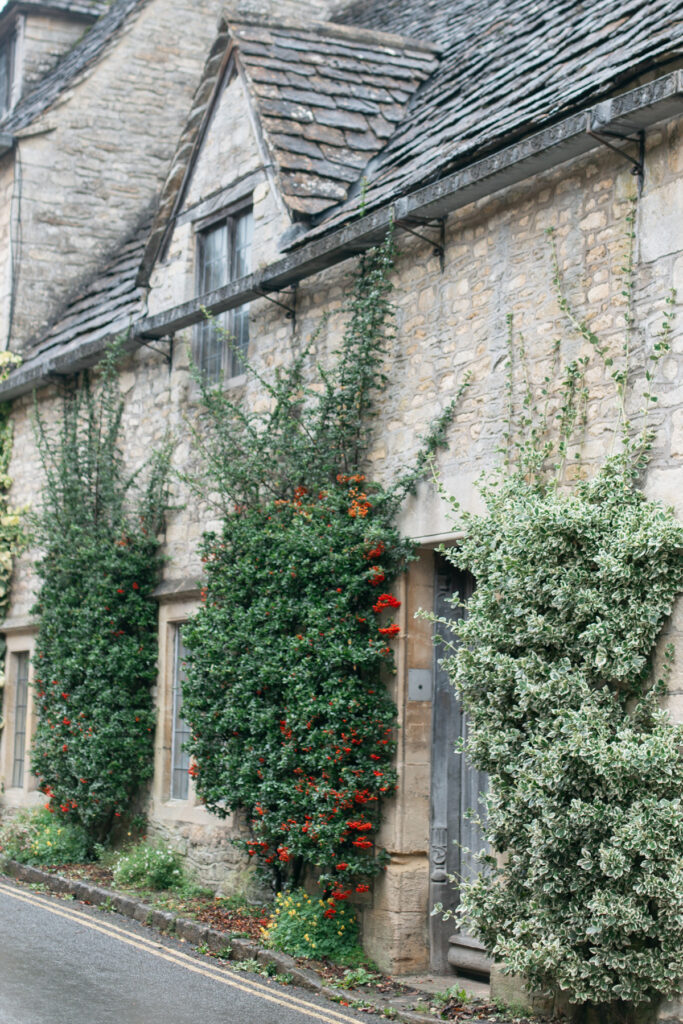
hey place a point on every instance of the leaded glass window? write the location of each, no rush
(224, 255)
(180, 759)
(20, 666)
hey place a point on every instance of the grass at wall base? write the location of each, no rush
(556, 667)
(286, 693)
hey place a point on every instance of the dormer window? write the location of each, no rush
(6, 72)
(223, 255)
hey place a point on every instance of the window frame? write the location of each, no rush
(230, 369)
(20, 662)
(8, 42)
(20, 637)
(180, 731)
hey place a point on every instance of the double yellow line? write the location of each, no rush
(179, 959)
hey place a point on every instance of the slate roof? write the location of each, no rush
(334, 107)
(506, 69)
(85, 8)
(108, 305)
(328, 98)
(77, 60)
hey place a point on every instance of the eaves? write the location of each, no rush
(626, 114)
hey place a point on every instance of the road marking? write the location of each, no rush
(181, 959)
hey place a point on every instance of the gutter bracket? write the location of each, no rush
(290, 313)
(603, 135)
(438, 248)
(167, 353)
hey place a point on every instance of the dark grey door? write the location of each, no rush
(456, 787)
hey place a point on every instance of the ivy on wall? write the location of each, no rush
(96, 648)
(285, 694)
(554, 666)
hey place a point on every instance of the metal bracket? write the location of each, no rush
(290, 310)
(638, 137)
(438, 248)
(166, 353)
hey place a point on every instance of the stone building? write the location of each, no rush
(227, 169)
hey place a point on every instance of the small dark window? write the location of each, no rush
(224, 255)
(20, 665)
(180, 759)
(6, 72)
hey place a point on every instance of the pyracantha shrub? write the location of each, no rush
(289, 717)
(96, 648)
(285, 692)
(586, 772)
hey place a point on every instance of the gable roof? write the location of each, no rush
(506, 70)
(83, 55)
(326, 98)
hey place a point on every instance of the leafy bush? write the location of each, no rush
(289, 717)
(586, 771)
(37, 837)
(149, 866)
(303, 925)
(96, 648)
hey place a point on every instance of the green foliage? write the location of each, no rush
(288, 714)
(450, 994)
(303, 925)
(356, 977)
(36, 837)
(290, 718)
(96, 648)
(149, 866)
(554, 667)
(586, 772)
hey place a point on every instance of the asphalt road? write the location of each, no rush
(65, 963)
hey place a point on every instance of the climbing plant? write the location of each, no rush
(285, 694)
(556, 665)
(96, 648)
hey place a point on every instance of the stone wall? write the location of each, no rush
(44, 39)
(92, 165)
(496, 261)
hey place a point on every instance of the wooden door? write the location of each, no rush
(455, 788)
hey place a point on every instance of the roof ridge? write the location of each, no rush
(331, 28)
